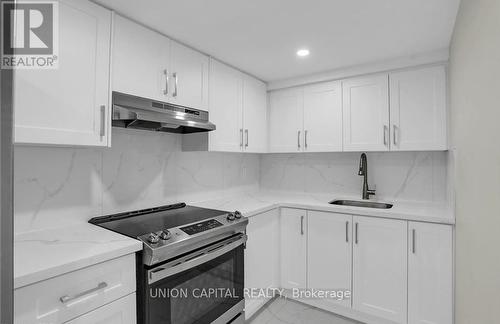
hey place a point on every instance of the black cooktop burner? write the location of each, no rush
(137, 223)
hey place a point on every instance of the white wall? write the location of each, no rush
(410, 176)
(56, 186)
(475, 125)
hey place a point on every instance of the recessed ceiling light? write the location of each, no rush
(303, 52)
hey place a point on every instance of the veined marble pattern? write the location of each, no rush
(53, 185)
(415, 176)
(59, 186)
(287, 311)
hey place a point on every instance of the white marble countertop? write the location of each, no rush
(40, 255)
(254, 203)
(44, 254)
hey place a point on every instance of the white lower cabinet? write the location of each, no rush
(329, 253)
(398, 271)
(380, 267)
(261, 258)
(293, 248)
(121, 311)
(430, 269)
(68, 296)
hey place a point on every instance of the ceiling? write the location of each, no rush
(261, 37)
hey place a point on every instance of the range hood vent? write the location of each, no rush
(141, 113)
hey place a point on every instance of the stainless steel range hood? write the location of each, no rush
(141, 113)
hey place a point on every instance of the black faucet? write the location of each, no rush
(363, 171)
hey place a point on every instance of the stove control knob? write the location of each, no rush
(230, 217)
(153, 238)
(165, 235)
(237, 215)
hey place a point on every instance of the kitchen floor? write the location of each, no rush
(287, 311)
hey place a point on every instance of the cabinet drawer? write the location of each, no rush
(65, 297)
(121, 311)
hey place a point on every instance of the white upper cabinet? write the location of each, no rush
(286, 121)
(323, 117)
(293, 237)
(254, 115)
(69, 105)
(140, 60)
(189, 85)
(329, 252)
(366, 113)
(238, 108)
(306, 119)
(430, 274)
(225, 109)
(380, 267)
(148, 64)
(418, 109)
(359, 114)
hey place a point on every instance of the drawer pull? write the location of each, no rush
(66, 299)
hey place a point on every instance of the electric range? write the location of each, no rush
(191, 268)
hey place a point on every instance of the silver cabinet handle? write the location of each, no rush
(356, 233)
(385, 135)
(394, 137)
(103, 121)
(241, 137)
(195, 259)
(165, 92)
(246, 134)
(413, 241)
(66, 299)
(305, 139)
(347, 232)
(176, 83)
(298, 139)
(301, 225)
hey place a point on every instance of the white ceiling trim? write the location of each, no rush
(434, 57)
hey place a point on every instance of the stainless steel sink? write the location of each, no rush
(356, 203)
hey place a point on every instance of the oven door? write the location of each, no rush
(205, 286)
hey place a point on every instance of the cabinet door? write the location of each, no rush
(225, 108)
(254, 115)
(323, 117)
(293, 248)
(329, 252)
(430, 274)
(418, 110)
(121, 311)
(261, 256)
(286, 121)
(140, 60)
(380, 267)
(69, 105)
(189, 86)
(366, 113)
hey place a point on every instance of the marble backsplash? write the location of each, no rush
(56, 186)
(404, 176)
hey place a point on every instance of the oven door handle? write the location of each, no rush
(200, 257)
